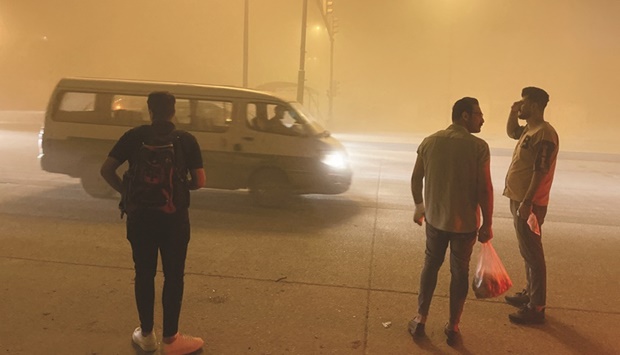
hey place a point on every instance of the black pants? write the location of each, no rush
(151, 233)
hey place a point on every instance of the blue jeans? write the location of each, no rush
(151, 233)
(461, 247)
(531, 248)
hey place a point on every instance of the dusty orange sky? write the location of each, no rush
(399, 64)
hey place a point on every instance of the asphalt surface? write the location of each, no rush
(327, 275)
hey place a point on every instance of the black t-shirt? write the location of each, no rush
(132, 140)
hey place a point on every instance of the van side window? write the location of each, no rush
(272, 118)
(129, 110)
(183, 115)
(212, 116)
(77, 101)
(132, 110)
(78, 107)
(254, 114)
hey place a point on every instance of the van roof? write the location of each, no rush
(144, 87)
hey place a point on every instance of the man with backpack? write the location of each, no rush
(155, 197)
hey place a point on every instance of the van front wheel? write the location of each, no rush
(94, 184)
(270, 188)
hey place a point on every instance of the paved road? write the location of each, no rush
(330, 275)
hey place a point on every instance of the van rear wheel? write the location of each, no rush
(270, 188)
(94, 184)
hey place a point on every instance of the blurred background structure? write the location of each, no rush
(397, 66)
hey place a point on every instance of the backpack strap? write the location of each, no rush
(179, 152)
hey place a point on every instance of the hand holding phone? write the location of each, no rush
(516, 107)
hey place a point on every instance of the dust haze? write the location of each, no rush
(398, 65)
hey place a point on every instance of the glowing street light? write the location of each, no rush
(328, 6)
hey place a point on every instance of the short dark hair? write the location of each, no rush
(161, 104)
(465, 104)
(536, 95)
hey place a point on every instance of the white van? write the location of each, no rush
(85, 117)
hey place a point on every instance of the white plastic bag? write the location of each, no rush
(491, 278)
(532, 222)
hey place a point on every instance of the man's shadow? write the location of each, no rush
(159, 351)
(425, 343)
(570, 338)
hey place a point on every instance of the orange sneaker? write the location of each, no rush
(182, 345)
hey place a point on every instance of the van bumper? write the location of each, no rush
(68, 156)
(52, 164)
(330, 183)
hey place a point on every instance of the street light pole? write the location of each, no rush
(327, 9)
(301, 78)
(246, 20)
(331, 77)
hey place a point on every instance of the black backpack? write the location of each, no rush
(157, 179)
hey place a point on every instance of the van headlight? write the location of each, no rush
(335, 160)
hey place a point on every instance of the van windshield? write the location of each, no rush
(310, 125)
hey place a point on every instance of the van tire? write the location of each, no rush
(93, 183)
(270, 188)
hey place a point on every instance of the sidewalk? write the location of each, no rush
(55, 304)
(324, 277)
(333, 275)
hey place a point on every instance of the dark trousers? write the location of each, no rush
(461, 247)
(531, 248)
(151, 233)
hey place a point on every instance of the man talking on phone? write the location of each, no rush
(528, 183)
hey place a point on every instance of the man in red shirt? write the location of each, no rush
(528, 183)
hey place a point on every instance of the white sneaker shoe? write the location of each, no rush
(146, 343)
(182, 345)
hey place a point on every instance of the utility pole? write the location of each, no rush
(246, 20)
(327, 12)
(331, 78)
(301, 78)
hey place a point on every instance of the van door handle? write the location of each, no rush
(250, 139)
(237, 147)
